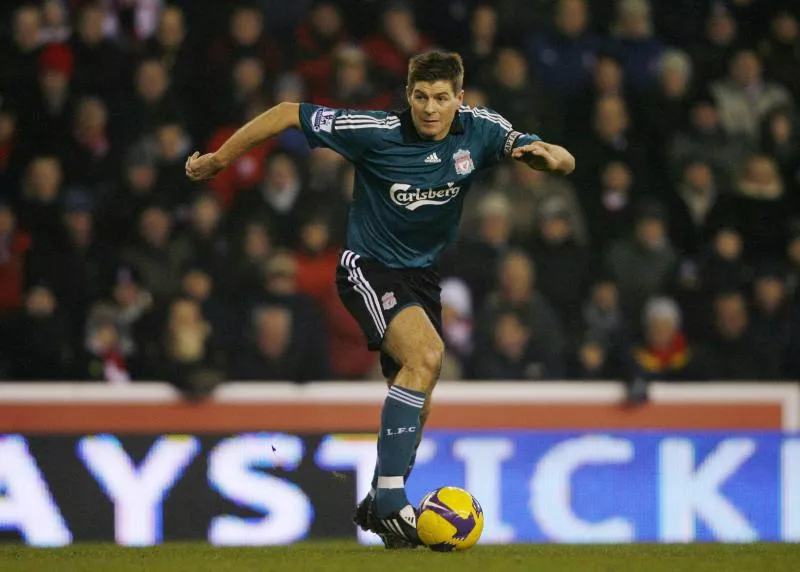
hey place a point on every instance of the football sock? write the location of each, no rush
(405, 476)
(396, 443)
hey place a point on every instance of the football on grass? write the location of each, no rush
(449, 519)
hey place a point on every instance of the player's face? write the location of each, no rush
(433, 107)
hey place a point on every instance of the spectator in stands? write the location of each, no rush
(20, 55)
(722, 265)
(351, 84)
(527, 108)
(55, 25)
(204, 235)
(157, 260)
(135, 313)
(316, 258)
(665, 109)
(608, 80)
(248, 85)
(664, 354)
(39, 211)
(103, 356)
(133, 21)
(564, 268)
(528, 190)
(780, 139)
(201, 286)
(169, 44)
(633, 32)
(316, 38)
(610, 208)
(696, 208)
(781, 50)
(36, 338)
(89, 158)
(612, 139)
(712, 54)
(100, 66)
(119, 211)
(774, 319)
(457, 328)
(245, 37)
(48, 122)
(515, 350)
(481, 47)
(516, 292)
(603, 318)
(474, 255)
(760, 207)
(276, 351)
(706, 140)
(187, 356)
(641, 265)
(172, 145)
(398, 40)
(79, 267)
(564, 58)
(744, 98)
(153, 102)
(14, 247)
(733, 352)
(253, 247)
(280, 199)
(279, 287)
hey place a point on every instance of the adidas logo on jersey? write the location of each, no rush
(433, 158)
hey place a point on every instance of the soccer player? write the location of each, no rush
(413, 169)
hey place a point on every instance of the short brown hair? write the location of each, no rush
(436, 66)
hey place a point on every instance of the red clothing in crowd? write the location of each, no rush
(350, 358)
(385, 55)
(315, 59)
(12, 269)
(245, 173)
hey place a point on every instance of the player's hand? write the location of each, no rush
(202, 167)
(537, 156)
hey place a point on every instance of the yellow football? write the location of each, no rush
(449, 519)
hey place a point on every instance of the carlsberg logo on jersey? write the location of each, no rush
(413, 198)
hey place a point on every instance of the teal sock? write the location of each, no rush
(396, 443)
(405, 476)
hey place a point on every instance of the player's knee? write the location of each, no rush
(429, 361)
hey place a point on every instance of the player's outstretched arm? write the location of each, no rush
(256, 131)
(545, 157)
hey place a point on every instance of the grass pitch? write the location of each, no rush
(349, 556)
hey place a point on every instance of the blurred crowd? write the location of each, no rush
(672, 253)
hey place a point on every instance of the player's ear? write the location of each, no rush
(460, 97)
(408, 95)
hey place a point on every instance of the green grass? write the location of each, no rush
(348, 556)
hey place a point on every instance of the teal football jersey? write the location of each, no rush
(408, 191)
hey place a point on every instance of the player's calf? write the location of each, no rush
(413, 343)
